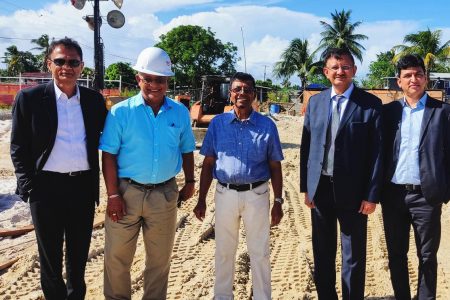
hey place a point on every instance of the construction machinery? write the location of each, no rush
(213, 100)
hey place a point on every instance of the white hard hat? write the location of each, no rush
(154, 61)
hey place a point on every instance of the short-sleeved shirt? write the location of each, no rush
(242, 149)
(148, 147)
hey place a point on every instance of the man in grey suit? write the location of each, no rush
(417, 177)
(341, 174)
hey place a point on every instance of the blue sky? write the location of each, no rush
(268, 25)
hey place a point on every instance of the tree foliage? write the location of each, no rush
(380, 68)
(341, 34)
(43, 43)
(427, 44)
(194, 51)
(115, 70)
(296, 59)
(19, 61)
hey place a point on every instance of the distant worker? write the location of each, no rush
(146, 141)
(242, 151)
(417, 178)
(54, 148)
(341, 174)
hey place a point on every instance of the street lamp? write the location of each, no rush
(115, 19)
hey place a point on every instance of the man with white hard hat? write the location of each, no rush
(146, 141)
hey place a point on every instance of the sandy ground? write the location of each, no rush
(192, 269)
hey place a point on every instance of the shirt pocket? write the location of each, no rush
(173, 136)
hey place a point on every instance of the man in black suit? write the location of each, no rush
(341, 174)
(54, 141)
(417, 177)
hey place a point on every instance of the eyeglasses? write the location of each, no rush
(73, 63)
(244, 89)
(343, 68)
(157, 80)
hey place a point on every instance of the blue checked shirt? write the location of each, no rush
(242, 149)
(148, 147)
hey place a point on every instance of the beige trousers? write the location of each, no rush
(155, 211)
(253, 207)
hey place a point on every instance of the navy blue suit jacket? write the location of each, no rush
(434, 147)
(358, 148)
(34, 126)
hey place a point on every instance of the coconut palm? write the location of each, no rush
(19, 61)
(341, 34)
(427, 44)
(296, 59)
(43, 43)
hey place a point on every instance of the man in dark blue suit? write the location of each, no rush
(341, 174)
(417, 177)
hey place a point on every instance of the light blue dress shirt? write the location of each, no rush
(407, 169)
(242, 148)
(148, 147)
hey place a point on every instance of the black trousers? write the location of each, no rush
(62, 208)
(401, 209)
(353, 229)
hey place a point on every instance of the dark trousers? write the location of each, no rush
(401, 210)
(62, 208)
(353, 229)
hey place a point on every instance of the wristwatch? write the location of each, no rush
(279, 200)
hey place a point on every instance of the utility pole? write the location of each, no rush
(243, 45)
(98, 49)
(265, 66)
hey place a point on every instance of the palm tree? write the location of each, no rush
(341, 34)
(296, 59)
(19, 61)
(427, 45)
(43, 43)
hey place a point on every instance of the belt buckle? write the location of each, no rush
(74, 173)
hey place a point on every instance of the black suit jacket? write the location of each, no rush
(358, 148)
(34, 127)
(434, 148)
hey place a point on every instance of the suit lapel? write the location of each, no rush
(49, 102)
(324, 108)
(349, 109)
(427, 114)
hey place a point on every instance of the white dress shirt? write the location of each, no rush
(69, 152)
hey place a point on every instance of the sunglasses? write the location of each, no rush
(73, 63)
(156, 80)
(245, 90)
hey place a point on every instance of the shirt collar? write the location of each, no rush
(58, 92)
(165, 106)
(231, 117)
(346, 94)
(420, 104)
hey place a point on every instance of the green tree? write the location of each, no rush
(296, 59)
(380, 68)
(43, 43)
(115, 70)
(427, 44)
(19, 61)
(194, 51)
(341, 34)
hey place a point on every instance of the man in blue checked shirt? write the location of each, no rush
(242, 151)
(146, 141)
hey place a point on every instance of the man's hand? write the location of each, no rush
(276, 213)
(116, 208)
(186, 192)
(367, 207)
(200, 210)
(308, 202)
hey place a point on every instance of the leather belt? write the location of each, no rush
(412, 188)
(147, 186)
(70, 174)
(242, 187)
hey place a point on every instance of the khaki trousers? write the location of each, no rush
(155, 211)
(253, 207)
